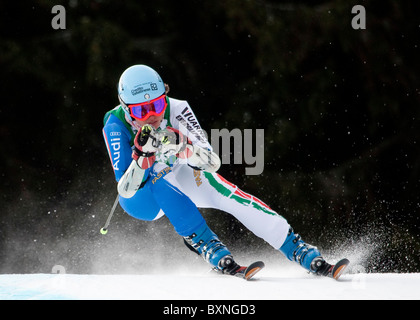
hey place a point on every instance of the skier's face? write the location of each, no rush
(154, 121)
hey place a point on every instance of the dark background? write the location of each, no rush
(340, 109)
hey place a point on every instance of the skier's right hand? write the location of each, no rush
(145, 146)
(201, 158)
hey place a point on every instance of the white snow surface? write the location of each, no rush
(269, 284)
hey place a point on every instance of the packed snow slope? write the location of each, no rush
(267, 285)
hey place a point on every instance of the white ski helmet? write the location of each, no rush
(139, 84)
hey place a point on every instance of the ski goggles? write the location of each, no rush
(142, 111)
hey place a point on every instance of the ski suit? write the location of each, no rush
(175, 189)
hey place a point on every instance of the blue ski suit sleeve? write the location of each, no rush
(118, 143)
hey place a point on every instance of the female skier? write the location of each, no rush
(164, 165)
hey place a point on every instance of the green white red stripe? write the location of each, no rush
(230, 190)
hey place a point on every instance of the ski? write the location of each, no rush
(252, 270)
(334, 271)
(338, 269)
(248, 272)
(244, 272)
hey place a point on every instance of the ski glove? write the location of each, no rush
(146, 144)
(200, 158)
(173, 142)
(170, 142)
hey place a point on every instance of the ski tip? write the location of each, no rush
(253, 269)
(339, 268)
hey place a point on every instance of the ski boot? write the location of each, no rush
(204, 242)
(323, 268)
(309, 257)
(229, 266)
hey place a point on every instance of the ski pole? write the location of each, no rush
(104, 229)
